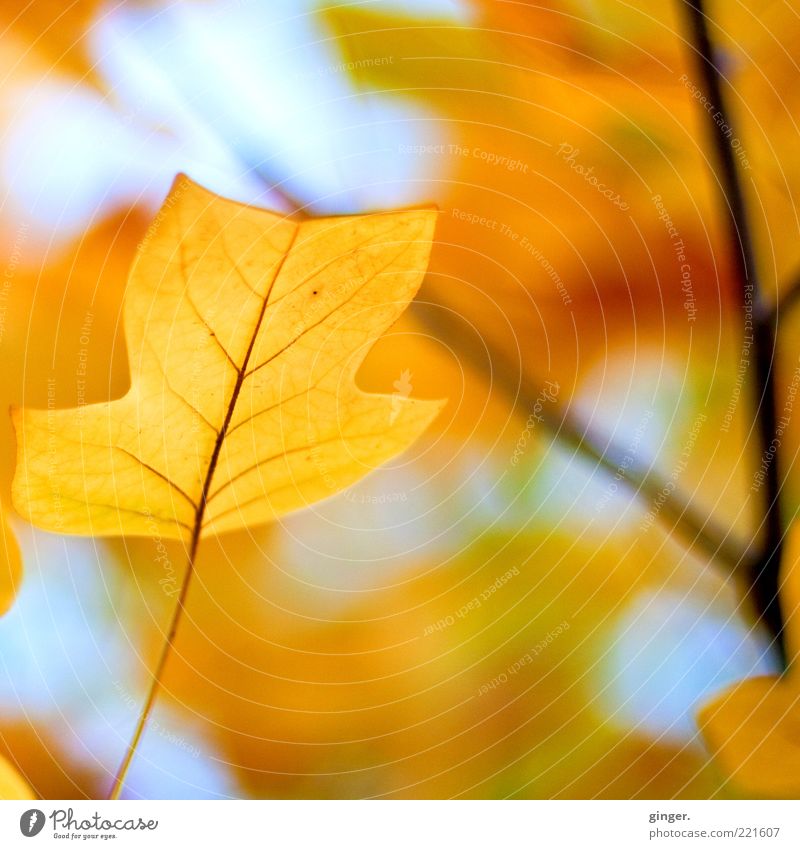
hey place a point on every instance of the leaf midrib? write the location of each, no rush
(241, 375)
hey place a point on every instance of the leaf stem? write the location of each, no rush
(764, 580)
(155, 685)
(158, 672)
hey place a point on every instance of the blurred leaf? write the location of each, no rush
(10, 564)
(752, 728)
(761, 69)
(12, 784)
(567, 283)
(246, 331)
(54, 29)
(475, 675)
(752, 731)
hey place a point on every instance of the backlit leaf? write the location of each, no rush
(10, 564)
(12, 784)
(245, 331)
(753, 728)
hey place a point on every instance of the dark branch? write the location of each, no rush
(677, 513)
(788, 298)
(764, 581)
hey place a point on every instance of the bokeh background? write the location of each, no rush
(495, 614)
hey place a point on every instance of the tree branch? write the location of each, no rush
(677, 513)
(764, 581)
(787, 299)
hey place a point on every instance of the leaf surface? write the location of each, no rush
(10, 564)
(12, 785)
(245, 331)
(753, 728)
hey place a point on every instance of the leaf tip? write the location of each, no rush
(183, 184)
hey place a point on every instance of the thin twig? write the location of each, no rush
(765, 579)
(158, 674)
(788, 298)
(677, 512)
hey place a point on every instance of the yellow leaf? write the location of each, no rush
(56, 31)
(245, 331)
(753, 728)
(12, 784)
(10, 564)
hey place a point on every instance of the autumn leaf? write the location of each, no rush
(12, 784)
(10, 564)
(245, 332)
(55, 30)
(752, 728)
(413, 643)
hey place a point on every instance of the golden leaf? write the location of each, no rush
(752, 727)
(10, 564)
(12, 784)
(752, 731)
(245, 332)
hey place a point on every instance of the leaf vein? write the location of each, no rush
(325, 317)
(255, 466)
